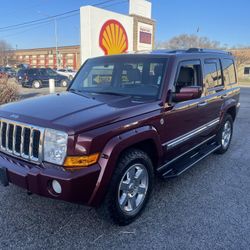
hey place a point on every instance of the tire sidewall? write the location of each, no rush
(34, 83)
(219, 135)
(127, 160)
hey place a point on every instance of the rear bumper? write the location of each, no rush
(77, 186)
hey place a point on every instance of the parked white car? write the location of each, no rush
(67, 72)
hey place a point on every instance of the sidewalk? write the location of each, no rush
(244, 84)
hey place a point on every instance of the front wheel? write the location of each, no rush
(224, 135)
(130, 187)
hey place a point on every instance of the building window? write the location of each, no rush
(247, 71)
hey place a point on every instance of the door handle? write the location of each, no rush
(224, 96)
(202, 104)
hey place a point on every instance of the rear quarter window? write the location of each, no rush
(229, 74)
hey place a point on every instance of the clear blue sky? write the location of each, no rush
(227, 21)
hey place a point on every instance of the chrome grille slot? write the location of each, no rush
(21, 140)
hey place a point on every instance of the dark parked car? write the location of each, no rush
(2, 73)
(7, 71)
(123, 120)
(38, 78)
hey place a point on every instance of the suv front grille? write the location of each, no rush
(21, 140)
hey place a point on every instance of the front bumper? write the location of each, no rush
(77, 186)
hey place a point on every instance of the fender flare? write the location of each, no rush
(226, 106)
(111, 153)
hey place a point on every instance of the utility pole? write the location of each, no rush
(56, 37)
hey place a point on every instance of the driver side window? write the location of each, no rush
(189, 75)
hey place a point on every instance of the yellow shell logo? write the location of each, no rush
(113, 38)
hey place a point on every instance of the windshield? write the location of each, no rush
(137, 77)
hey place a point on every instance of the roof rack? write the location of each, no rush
(160, 51)
(198, 50)
(191, 50)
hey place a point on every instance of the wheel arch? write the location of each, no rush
(144, 138)
(232, 111)
(229, 107)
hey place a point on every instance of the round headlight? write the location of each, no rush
(56, 186)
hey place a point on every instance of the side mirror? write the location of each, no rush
(187, 93)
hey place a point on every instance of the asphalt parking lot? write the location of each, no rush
(30, 92)
(208, 207)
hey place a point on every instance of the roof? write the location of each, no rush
(190, 50)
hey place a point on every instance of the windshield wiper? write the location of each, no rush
(111, 93)
(79, 92)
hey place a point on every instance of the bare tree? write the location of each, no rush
(242, 56)
(5, 51)
(8, 91)
(185, 41)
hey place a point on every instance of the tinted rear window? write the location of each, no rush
(212, 73)
(228, 71)
(33, 71)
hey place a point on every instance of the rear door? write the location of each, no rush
(44, 77)
(215, 91)
(186, 121)
(54, 75)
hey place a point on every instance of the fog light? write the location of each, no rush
(56, 186)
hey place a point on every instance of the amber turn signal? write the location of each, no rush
(73, 162)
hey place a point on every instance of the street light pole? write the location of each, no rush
(56, 34)
(56, 37)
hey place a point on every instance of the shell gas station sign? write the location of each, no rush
(107, 33)
(113, 38)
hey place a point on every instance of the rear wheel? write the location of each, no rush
(36, 84)
(64, 83)
(224, 136)
(130, 187)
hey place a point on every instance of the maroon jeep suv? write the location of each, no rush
(123, 120)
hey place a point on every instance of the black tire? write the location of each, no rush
(111, 207)
(36, 84)
(224, 145)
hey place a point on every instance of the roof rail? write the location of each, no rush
(198, 50)
(190, 50)
(169, 51)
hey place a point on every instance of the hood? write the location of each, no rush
(74, 113)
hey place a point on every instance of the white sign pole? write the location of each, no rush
(52, 86)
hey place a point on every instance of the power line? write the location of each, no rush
(40, 24)
(38, 20)
(37, 26)
(47, 18)
(122, 2)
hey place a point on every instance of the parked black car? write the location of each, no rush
(8, 71)
(38, 78)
